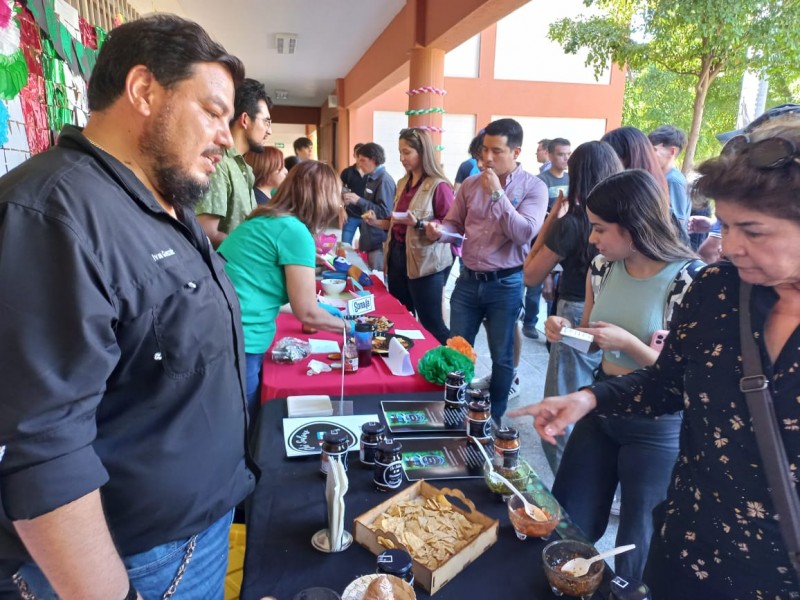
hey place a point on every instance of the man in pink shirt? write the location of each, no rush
(495, 214)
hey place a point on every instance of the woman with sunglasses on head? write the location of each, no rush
(564, 239)
(640, 274)
(718, 535)
(269, 171)
(416, 267)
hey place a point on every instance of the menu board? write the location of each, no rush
(303, 436)
(440, 458)
(407, 416)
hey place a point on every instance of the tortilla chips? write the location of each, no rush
(429, 528)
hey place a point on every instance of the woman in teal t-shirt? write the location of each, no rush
(271, 259)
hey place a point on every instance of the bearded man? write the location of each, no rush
(122, 423)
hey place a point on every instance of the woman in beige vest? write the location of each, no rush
(417, 268)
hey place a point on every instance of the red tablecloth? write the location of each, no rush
(280, 381)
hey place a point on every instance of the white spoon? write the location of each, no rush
(578, 567)
(533, 511)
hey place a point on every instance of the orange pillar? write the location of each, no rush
(426, 73)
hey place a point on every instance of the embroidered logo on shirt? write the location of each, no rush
(163, 254)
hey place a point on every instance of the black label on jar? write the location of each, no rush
(388, 476)
(366, 452)
(479, 429)
(510, 457)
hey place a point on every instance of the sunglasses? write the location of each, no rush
(771, 153)
(410, 131)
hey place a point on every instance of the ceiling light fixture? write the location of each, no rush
(285, 43)
(281, 94)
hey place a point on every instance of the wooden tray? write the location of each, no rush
(431, 580)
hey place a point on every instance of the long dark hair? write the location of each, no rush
(589, 164)
(311, 192)
(636, 152)
(634, 200)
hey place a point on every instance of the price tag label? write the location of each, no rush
(361, 305)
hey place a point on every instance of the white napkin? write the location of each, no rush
(309, 406)
(398, 361)
(315, 367)
(335, 488)
(317, 346)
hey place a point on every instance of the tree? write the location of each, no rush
(696, 39)
(654, 97)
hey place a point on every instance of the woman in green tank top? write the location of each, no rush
(629, 294)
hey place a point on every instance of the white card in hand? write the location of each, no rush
(399, 360)
(576, 339)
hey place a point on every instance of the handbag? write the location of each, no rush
(754, 385)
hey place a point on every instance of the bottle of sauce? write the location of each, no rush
(372, 434)
(388, 474)
(479, 415)
(350, 357)
(334, 447)
(506, 447)
(454, 385)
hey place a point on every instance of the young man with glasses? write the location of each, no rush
(496, 213)
(230, 197)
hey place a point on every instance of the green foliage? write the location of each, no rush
(679, 35)
(655, 97)
(678, 48)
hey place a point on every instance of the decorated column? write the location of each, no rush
(426, 92)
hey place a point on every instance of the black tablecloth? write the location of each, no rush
(288, 507)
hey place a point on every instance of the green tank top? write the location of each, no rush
(636, 305)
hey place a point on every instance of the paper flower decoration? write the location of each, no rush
(13, 69)
(459, 344)
(438, 362)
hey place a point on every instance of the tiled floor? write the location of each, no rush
(531, 371)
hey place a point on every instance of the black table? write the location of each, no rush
(288, 507)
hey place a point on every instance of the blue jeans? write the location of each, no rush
(568, 370)
(349, 229)
(154, 571)
(639, 453)
(533, 295)
(253, 363)
(499, 303)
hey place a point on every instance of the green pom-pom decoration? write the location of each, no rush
(438, 362)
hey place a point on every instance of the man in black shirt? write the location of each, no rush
(122, 420)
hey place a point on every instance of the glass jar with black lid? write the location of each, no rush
(396, 562)
(334, 447)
